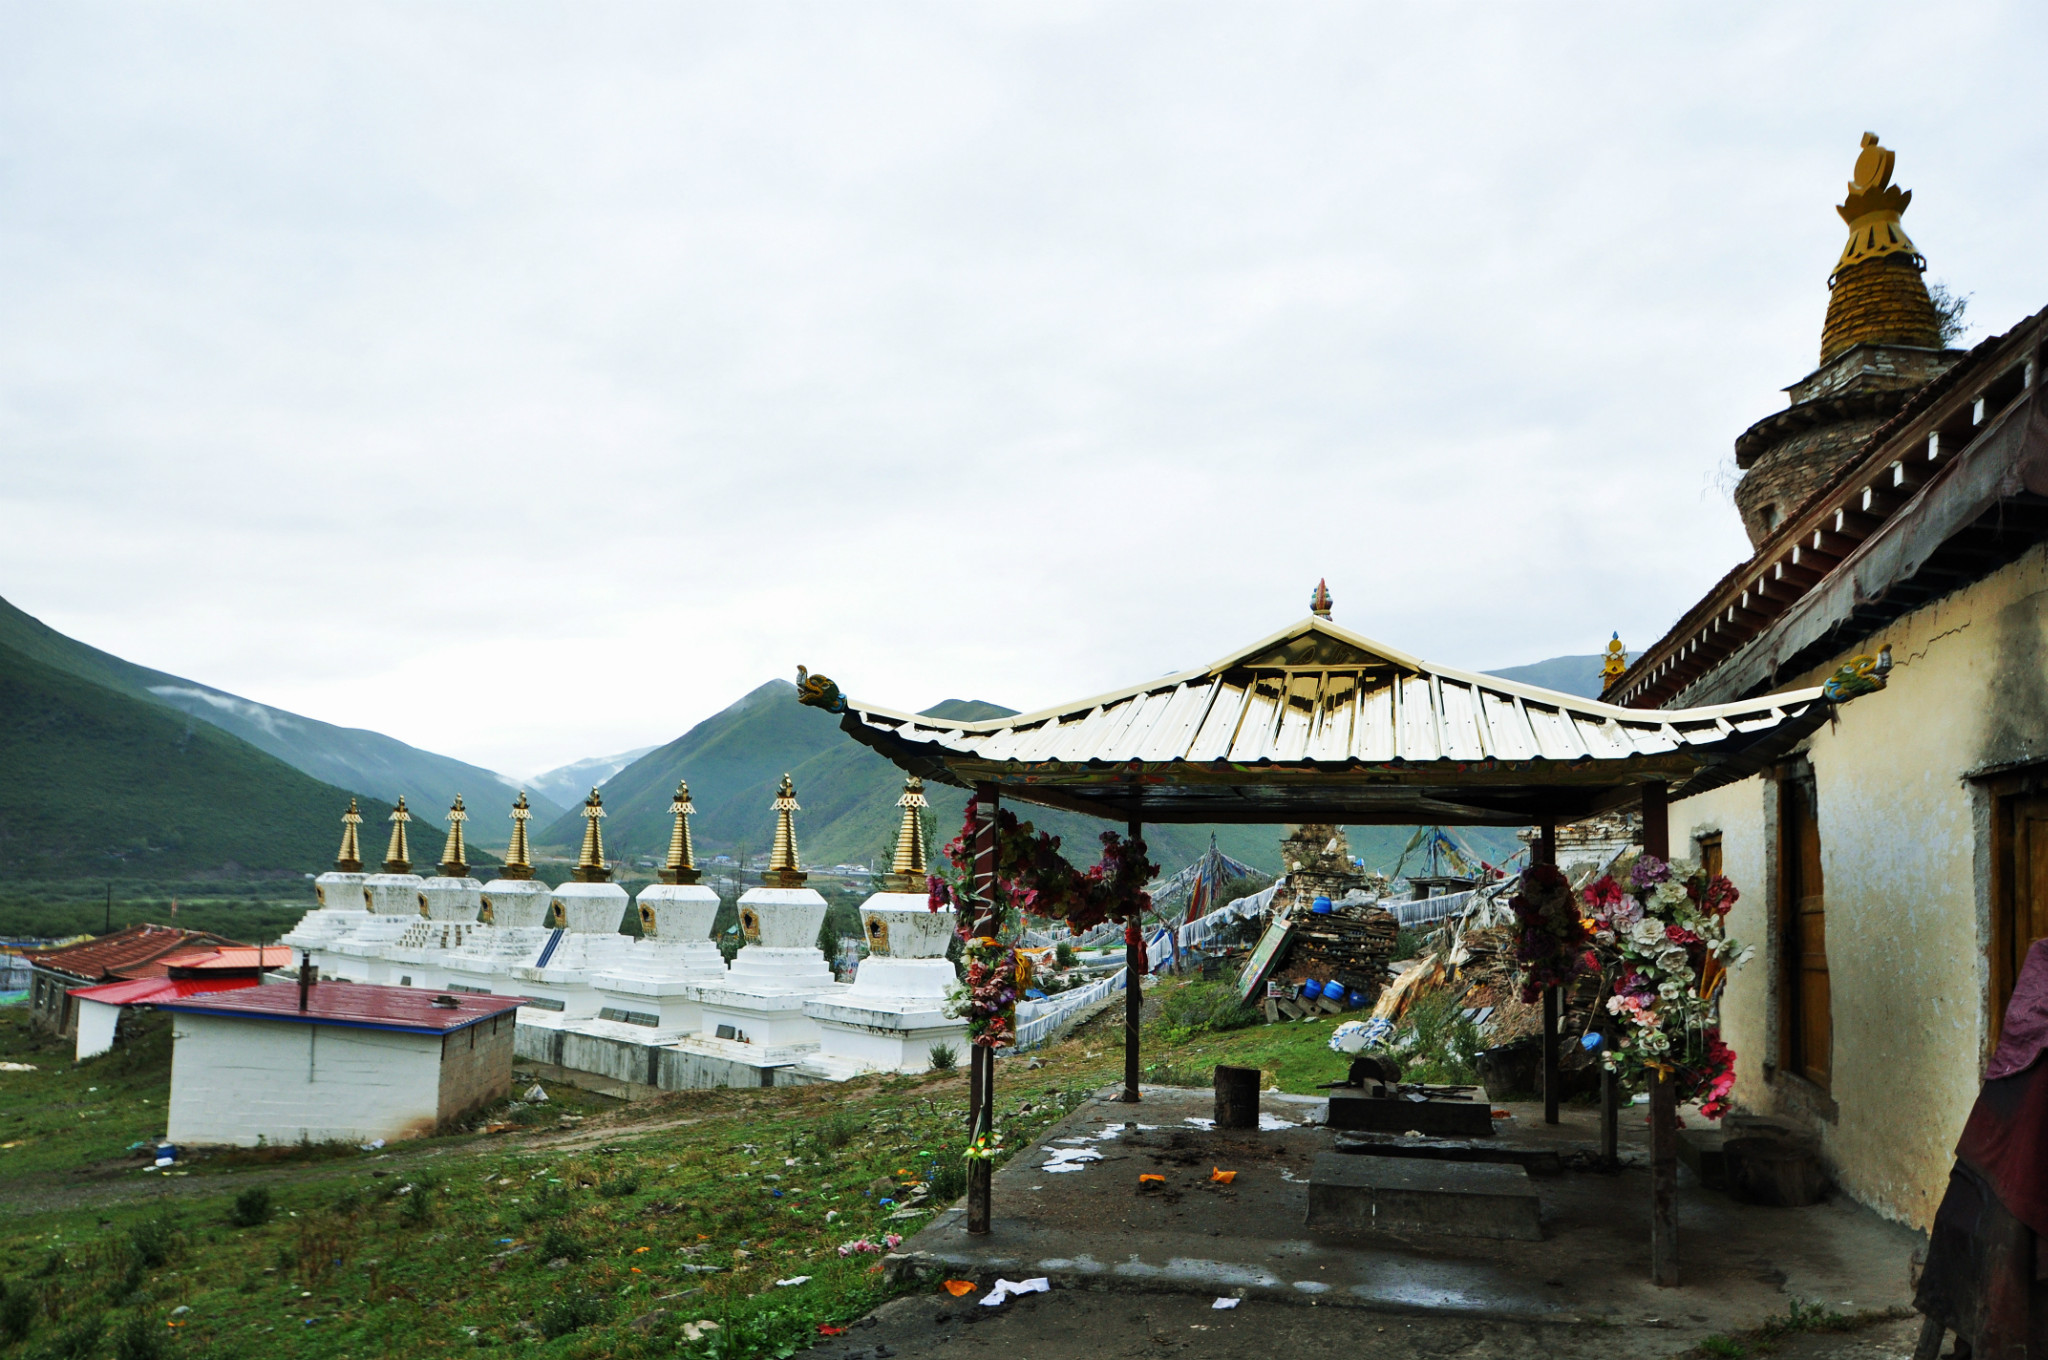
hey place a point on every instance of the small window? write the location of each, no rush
(1710, 853)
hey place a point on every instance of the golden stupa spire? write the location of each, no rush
(590, 866)
(682, 855)
(1877, 294)
(398, 855)
(1616, 664)
(454, 859)
(518, 859)
(350, 860)
(782, 861)
(907, 873)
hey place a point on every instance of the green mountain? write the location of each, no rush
(94, 781)
(1578, 675)
(345, 757)
(735, 759)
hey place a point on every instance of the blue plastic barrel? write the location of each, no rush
(1311, 989)
(1322, 906)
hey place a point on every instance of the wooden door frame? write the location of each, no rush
(2001, 792)
(1786, 927)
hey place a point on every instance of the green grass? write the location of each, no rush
(502, 1241)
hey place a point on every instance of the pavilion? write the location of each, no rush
(1316, 723)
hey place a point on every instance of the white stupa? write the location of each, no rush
(760, 1001)
(655, 986)
(894, 1014)
(448, 903)
(393, 900)
(512, 918)
(337, 894)
(584, 915)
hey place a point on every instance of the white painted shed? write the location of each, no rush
(357, 1063)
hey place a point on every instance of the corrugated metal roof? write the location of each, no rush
(1317, 719)
(239, 956)
(125, 953)
(358, 1004)
(148, 991)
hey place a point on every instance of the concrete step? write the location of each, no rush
(1399, 1114)
(1352, 1194)
(1537, 1161)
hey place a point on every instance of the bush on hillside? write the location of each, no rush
(1202, 1008)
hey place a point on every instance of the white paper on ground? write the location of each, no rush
(792, 1280)
(1225, 1303)
(1005, 1288)
(1200, 1123)
(1270, 1122)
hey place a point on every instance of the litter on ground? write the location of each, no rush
(1005, 1288)
(1225, 1303)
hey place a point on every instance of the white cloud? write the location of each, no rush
(529, 381)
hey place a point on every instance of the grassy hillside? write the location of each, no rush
(735, 759)
(97, 783)
(345, 757)
(1578, 675)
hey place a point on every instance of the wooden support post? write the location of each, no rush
(1544, 851)
(981, 1074)
(1134, 993)
(1663, 1093)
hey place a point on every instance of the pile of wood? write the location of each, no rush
(1352, 945)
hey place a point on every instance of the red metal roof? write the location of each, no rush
(125, 953)
(242, 956)
(149, 991)
(360, 1004)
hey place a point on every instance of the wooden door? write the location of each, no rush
(2023, 894)
(1810, 1034)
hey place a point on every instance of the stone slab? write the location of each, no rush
(1398, 1114)
(1407, 1195)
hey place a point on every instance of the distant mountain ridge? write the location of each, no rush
(96, 782)
(567, 785)
(1578, 675)
(349, 758)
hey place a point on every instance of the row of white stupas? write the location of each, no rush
(664, 1009)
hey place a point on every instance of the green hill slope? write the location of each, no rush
(735, 759)
(345, 757)
(95, 781)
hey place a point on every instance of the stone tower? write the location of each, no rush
(1881, 343)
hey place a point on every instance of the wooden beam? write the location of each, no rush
(981, 1074)
(1544, 851)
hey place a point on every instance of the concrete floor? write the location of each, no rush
(1096, 1229)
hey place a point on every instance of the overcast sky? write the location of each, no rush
(530, 381)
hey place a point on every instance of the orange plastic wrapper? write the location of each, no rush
(1143, 1178)
(958, 1288)
(1222, 1177)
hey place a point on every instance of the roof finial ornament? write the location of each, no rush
(350, 859)
(1872, 209)
(782, 861)
(398, 855)
(454, 859)
(682, 855)
(590, 867)
(1616, 664)
(518, 859)
(908, 873)
(1875, 292)
(1319, 603)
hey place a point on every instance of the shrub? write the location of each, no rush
(418, 1209)
(1063, 954)
(252, 1207)
(154, 1241)
(17, 1312)
(944, 1057)
(143, 1338)
(547, 1202)
(1438, 1042)
(836, 1130)
(559, 1243)
(569, 1312)
(619, 1186)
(76, 1342)
(1407, 943)
(1202, 1008)
(949, 1179)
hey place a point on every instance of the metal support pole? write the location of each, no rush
(1610, 1121)
(981, 1076)
(1551, 1080)
(1663, 1093)
(1134, 993)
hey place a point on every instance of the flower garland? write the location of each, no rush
(1666, 952)
(1032, 877)
(1551, 944)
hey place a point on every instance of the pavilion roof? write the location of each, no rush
(1317, 723)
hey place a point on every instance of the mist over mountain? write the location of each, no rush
(348, 758)
(567, 785)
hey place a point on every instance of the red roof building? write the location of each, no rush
(135, 952)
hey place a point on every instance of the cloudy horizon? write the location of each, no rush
(530, 382)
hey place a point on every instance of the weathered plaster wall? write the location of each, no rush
(476, 1067)
(1903, 852)
(234, 1080)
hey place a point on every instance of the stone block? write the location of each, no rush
(1348, 1194)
